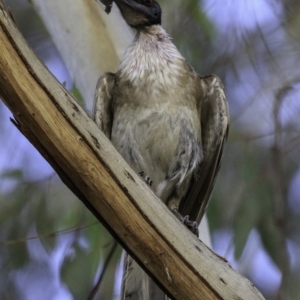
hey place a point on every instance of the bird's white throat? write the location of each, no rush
(152, 58)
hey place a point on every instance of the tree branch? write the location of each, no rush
(86, 161)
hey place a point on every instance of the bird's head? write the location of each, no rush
(140, 13)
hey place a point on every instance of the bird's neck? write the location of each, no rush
(151, 56)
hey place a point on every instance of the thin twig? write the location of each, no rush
(47, 235)
(107, 261)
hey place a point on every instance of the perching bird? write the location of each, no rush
(169, 123)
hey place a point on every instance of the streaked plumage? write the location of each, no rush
(166, 120)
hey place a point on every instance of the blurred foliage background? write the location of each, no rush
(51, 247)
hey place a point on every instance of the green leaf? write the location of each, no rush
(256, 199)
(45, 224)
(12, 174)
(245, 219)
(78, 96)
(79, 269)
(270, 237)
(16, 254)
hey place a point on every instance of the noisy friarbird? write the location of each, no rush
(169, 123)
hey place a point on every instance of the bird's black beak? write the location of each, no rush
(137, 13)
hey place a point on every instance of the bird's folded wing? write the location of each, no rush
(103, 103)
(214, 117)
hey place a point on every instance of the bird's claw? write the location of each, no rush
(191, 225)
(146, 178)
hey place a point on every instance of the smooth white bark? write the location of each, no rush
(89, 41)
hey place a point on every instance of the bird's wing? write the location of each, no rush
(103, 103)
(214, 117)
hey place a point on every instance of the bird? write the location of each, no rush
(168, 122)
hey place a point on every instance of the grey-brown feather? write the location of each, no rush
(175, 134)
(103, 112)
(168, 122)
(165, 120)
(214, 116)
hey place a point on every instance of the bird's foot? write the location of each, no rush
(146, 178)
(191, 225)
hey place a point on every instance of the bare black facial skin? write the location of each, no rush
(108, 5)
